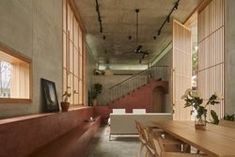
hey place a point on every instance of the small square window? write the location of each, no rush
(14, 77)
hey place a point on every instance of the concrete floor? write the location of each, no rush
(119, 146)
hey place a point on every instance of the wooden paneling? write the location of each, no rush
(182, 69)
(211, 52)
(20, 81)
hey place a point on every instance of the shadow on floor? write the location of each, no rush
(119, 146)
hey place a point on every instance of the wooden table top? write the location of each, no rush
(216, 141)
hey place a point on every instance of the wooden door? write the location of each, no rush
(182, 69)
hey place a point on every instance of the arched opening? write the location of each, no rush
(158, 99)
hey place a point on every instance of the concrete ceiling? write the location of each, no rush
(119, 22)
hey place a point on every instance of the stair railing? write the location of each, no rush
(137, 80)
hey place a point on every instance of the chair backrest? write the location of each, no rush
(140, 129)
(139, 111)
(158, 143)
(152, 141)
(119, 111)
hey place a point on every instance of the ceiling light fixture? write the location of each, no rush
(99, 17)
(168, 17)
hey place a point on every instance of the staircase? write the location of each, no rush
(141, 97)
(139, 83)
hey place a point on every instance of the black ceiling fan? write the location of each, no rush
(139, 50)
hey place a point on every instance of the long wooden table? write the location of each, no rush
(216, 141)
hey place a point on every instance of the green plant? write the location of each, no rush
(229, 117)
(66, 96)
(192, 99)
(96, 90)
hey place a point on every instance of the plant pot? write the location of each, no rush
(65, 106)
(94, 102)
(200, 124)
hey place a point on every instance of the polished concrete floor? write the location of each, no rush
(119, 146)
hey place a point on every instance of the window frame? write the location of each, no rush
(16, 54)
(66, 47)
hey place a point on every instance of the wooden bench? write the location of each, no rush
(72, 144)
(63, 132)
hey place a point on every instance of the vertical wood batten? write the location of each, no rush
(182, 66)
(211, 52)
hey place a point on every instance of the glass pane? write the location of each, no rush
(71, 57)
(70, 87)
(70, 22)
(80, 67)
(80, 92)
(76, 90)
(76, 62)
(75, 33)
(80, 41)
(64, 50)
(5, 79)
(64, 80)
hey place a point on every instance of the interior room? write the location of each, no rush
(117, 78)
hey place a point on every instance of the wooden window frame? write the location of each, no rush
(80, 77)
(18, 55)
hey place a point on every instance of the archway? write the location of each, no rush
(158, 99)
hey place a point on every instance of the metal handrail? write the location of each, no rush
(138, 80)
(134, 75)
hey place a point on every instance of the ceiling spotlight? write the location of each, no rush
(154, 37)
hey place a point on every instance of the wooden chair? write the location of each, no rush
(166, 147)
(153, 150)
(142, 137)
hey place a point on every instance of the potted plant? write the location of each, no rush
(65, 104)
(229, 117)
(192, 99)
(96, 90)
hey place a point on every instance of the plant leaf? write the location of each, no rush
(214, 117)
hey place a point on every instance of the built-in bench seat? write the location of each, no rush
(54, 134)
(72, 144)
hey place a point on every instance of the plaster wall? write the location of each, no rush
(229, 56)
(33, 28)
(107, 82)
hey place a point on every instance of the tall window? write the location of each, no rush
(73, 79)
(14, 77)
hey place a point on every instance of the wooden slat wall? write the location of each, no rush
(182, 69)
(20, 81)
(211, 52)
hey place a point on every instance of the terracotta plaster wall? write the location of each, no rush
(141, 98)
